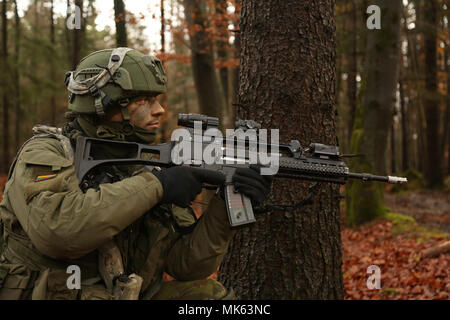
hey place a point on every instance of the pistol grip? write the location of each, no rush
(239, 207)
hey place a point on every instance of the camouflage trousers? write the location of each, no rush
(207, 289)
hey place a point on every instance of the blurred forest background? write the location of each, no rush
(37, 48)
(199, 43)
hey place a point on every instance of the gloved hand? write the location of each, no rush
(249, 182)
(182, 184)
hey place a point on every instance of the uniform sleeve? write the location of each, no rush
(197, 255)
(61, 220)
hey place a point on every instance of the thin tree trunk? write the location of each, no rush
(222, 48)
(52, 68)
(404, 122)
(78, 36)
(206, 83)
(447, 111)
(163, 98)
(365, 199)
(5, 97)
(415, 52)
(120, 19)
(287, 80)
(235, 94)
(446, 139)
(68, 33)
(353, 70)
(393, 149)
(17, 114)
(432, 113)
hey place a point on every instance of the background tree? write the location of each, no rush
(5, 87)
(210, 98)
(120, 20)
(287, 81)
(431, 102)
(374, 118)
(78, 37)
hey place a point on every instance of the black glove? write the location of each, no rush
(249, 182)
(182, 184)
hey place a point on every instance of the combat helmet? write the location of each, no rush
(112, 78)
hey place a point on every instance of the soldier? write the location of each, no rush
(120, 225)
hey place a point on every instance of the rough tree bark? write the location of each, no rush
(210, 99)
(121, 30)
(374, 118)
(287, 81)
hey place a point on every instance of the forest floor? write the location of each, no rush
(419, 220)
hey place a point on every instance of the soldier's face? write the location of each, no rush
(145, 113)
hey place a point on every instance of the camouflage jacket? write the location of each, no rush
(50, 223)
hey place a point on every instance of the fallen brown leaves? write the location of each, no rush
(405, 274)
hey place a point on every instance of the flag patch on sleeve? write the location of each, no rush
(45, 177)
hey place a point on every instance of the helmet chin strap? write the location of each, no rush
(94, 84)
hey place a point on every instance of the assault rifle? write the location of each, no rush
(319, 162)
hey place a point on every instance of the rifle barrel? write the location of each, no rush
(371, 177)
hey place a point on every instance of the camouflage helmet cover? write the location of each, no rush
(113, 74)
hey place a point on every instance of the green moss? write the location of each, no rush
(390, 291)
(364, 203)
(406, 225)
(364, 199)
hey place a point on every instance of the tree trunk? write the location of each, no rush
(165, 134)
(393, 149)
(446, 138)
(447, 64)
(352, 70)
(222, 48)
(77, 40)
(52, 67)
(432, 114)
(370, 135)
(287, 80)
(206, 84)
(5, 98)
(120, 19)
(17, 114)
(235, 93)
(68, 33)
(404, 123)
